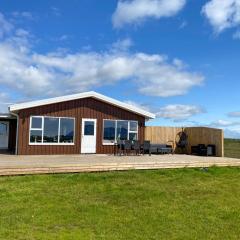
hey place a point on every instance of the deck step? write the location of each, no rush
(113, 167)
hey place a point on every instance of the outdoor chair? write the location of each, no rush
(146, 148)
(120, 147)
(127, 146)
(136, 147)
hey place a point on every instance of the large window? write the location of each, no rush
(114, 130)
(66, 130)
(51, 130)
(109, 131)
(122, 130)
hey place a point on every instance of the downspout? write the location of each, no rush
(16, 147)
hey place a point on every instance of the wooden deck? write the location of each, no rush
(21, 165)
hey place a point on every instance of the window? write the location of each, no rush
(133, 127)
(36, 129)
(114, 130)
(3, 129)
(37, 122)
(122, 130)
(88, 128)
(35, 136)
(50, 133)
(109, 131)
(51, 130)
(66, 130)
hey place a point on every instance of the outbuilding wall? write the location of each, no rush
(82, 108)
(196, 135)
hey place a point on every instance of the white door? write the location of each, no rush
(4, 130)
(88, 143)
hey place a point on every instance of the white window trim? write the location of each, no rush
(115, 140)
(42, 129)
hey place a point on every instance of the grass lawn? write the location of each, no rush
(153, 204)
(232, 148)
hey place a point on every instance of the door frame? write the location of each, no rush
(95, 131)
(7, 122)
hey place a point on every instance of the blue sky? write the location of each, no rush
(178, 59)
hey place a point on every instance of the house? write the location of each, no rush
(81, 123)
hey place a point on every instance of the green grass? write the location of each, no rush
(232, 148)
(161, 204)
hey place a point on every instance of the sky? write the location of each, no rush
(179, 59)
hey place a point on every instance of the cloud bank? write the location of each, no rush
(178, 112)
(31, 73)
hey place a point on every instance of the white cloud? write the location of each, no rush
(56, 11)
(24, 14)
(21, 32)
(145, 107)
(183, 25)
(235, 134)
(234, 114)
(4, 102)
(5, 26)
(222, 14)
(122, 45)
(224, 123)
(179, 112)
(152, 74)
(136, 11)
(236, 35)
(31, 73)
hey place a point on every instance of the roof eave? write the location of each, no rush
(16, 107)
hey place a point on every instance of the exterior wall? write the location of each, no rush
(12, 135)
(82, 108)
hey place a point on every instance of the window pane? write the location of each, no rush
(36, 122)
(122, 130)
(89, 128)
(133, 126)
(66, 130)
(132, 136)
(109, 131)
(50, 134)
(36, 136)
(3, 129)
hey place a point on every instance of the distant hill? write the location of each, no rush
(232, 147)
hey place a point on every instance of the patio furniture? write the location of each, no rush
(136, 147)
(154, 148)
(182, 141)
(166, 149)
(127, 146)
(146, 148)
(120, 147)
(203, 150)
(161, 149)
(199, 150)
(211, 150)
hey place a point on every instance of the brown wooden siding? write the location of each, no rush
(82, 108)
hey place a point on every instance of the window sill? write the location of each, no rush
(108, 144)
(51, 144)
